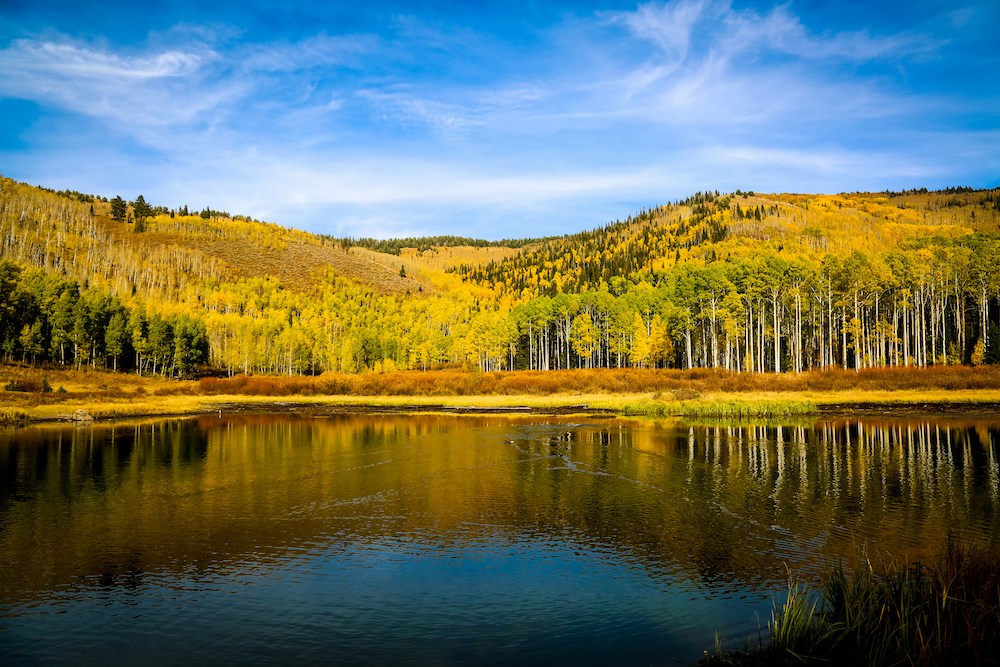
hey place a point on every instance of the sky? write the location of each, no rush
(491, 119)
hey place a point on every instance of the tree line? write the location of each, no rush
(395, 246)
(48, 319)
(752, 284)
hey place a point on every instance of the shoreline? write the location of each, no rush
(768, 406)
(48, 394)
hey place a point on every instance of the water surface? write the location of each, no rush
(360, 539)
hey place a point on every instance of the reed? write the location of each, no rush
(799, 625)
(943, 613)
(649, 409)
(13, 416)
(747, 408)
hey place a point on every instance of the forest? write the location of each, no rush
(742, 281)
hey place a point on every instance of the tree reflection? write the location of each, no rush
(720, 505)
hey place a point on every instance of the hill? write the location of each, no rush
(707, 226)
(742, 281)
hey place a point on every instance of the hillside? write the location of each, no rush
(81, 239)
(743, 281)
(706, 227)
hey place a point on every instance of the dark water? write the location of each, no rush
(453, 540)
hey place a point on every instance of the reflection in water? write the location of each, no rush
(896, 487)
(392, 537)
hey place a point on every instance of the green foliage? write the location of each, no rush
(744, 409)
(992, 351)
(116, 335)
(142, 211)
(119, 209)
(798, 624)
(57, 321)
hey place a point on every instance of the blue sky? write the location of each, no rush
(493, 119)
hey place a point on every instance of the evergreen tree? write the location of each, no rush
(992, 355)
(141, 210)
(10, 307)
(118, 209)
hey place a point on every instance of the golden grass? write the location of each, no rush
(671, 384)
(697, 393)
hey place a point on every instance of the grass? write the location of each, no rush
(946, 612)
(741, 408)
(748, 408)
(34, 394)
(680, 384)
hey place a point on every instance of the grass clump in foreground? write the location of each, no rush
(944, 613)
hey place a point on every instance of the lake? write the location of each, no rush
(445, 540)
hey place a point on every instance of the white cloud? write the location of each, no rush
(135, 92)
(681, 27)
(68, 61)
(420, 129)
(782, 32)
(670, 26)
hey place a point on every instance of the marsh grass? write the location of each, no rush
(691, 394)
(719, 408)
(12, 415)
(943, 613)
(740, 409)
(668, 384)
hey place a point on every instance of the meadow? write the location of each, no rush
(39, 394)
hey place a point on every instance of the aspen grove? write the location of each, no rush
(746, 282)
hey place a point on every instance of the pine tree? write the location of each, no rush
(141, 210)
(118, 209)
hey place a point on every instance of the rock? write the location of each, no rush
(82, 415)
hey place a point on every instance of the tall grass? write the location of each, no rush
(12, 415)
(944, 613)
(678, 384)
(670, 385)
(734, 409)
(749, 408)
(693, 394)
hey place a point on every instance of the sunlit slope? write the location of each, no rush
(710, 227)
(176, 254)
(740, 281)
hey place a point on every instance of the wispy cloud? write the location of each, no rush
(684, 26)
(428, 122)
(69, 61)
(316, 52)
(136, 90)
(711, 57)
(780, 31)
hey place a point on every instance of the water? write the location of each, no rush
(375, 539)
